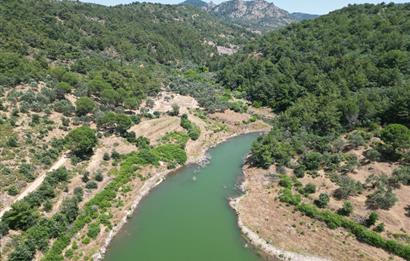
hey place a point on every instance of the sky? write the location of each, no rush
(304, 6)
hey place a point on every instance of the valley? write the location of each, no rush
(201, 131)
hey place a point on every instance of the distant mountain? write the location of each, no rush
(196, 3)
(255, 15)
(302, 16)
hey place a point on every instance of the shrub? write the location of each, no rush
(115, 155)
(79, 193)
(142, 142)
(27, 171)
(371, 220)
(299, 171)
(402, 175)
(175, 110)
(106, 156)
(84, 105)
(373, 155)
(356, 139)
(348, 187)
(93, 230)
(91, 185)
(382, 198)
(322, 201)
(12, 190)
(99, 177)
(12, 142)
(285, 181)
(170, 153)
(287, 197)
(379, 228)
(193, 131)
(347, 209)
(312, 160)
(309, 188)
(86, 177)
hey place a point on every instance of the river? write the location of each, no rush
(187, 217)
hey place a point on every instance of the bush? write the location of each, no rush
(285, 181)
(287, 197)
(379, 228)
(356, 139)
(347, 209)
(12, 142)
(91, 185)
(86, 177)
(299, 171)
(115, 155)
(170, 153)
(402, 175)
(93, 230)
(79, 193)
(348, 187)
(142, 142)
(371, 220)
(99, 177)
(12, 190)
(309, 188)
(312, 160)
(381, 198)
(373, 155)
(193, 131)
(322, 201)
(84, 105)
(106, 156)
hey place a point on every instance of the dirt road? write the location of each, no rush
(35, 184)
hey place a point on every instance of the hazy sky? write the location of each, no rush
(306, 6)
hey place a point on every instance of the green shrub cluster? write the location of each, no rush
(193, 130)
(24, 213)
(175, 137)
(363, 234)
(95, 209)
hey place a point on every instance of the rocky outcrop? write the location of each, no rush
(256, 15)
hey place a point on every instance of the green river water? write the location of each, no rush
(187, 217)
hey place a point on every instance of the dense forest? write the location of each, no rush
(110, 48)
(337, 73)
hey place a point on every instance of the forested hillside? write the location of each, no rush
(341, 87)
(89, 38)
(338, 72)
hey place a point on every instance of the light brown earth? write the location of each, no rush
(285, 228)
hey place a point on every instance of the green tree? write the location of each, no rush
(81, 141)
(396, 138)
(84, 105)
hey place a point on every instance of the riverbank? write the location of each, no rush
(261, 244)
(280, 231)
(196, 152)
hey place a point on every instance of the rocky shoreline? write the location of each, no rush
(260, 243)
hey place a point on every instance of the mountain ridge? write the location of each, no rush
(255, 15)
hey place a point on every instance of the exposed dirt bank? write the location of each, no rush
(280, 231)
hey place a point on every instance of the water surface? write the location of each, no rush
(187, 217)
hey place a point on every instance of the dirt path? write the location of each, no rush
(36, 183)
